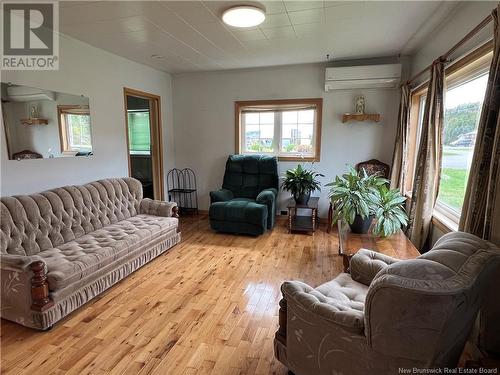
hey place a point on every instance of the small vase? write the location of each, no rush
(360, 225)
(302, 199)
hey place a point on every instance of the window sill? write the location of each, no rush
(286, 158)
(298, 158)
(444, 223)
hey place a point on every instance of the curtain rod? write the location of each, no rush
(459, 44)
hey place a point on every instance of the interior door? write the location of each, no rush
(144, 140)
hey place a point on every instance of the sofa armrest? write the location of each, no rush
(24, 284)
(321, 307)
(158, 208)
(17, 263)
(365, 264)
(221, 195)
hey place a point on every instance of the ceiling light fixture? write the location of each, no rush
(244, 16)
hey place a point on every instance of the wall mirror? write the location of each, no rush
(41, 123)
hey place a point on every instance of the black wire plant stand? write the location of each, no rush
(182, 189)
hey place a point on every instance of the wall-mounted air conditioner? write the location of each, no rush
(365, 76)
(28, 94)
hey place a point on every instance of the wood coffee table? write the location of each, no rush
(397, 245)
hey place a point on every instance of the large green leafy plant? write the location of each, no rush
(301, 181)
(357, 193)
(390, 214)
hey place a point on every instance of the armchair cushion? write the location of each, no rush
(340, 301)
(221, 195)
(365, 264)
(156, 208)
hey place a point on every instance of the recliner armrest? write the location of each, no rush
(221, 195)
(365, 264)
(311, 300)
(158, 208)
(266, 196)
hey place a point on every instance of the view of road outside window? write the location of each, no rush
(139, 132)
(78, 126)
(295, 127)
(463, 105)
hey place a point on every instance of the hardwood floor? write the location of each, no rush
(207, 306)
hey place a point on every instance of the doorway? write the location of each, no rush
(144, 141)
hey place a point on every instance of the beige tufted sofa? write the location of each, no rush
(388, 314)
(61, 248)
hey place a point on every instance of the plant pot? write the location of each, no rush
(302, 199)
(360, 225)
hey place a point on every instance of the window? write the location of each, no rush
(139, 133)
(289, 129)
(465, 90)
(74, 128)
(463, 103)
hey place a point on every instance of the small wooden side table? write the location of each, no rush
(396, 245)
(302, 223)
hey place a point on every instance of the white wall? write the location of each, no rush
(100, 76)
(463, 19)
(205, 130)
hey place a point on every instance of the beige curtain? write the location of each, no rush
(482, 188)
(398, 168)
(483, 184)
(428, 161)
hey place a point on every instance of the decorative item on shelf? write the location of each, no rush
(360, 105)
(359, 112)
(358, 198)
(301, 182)
(34, 111)
(181, 185)
(35, 121)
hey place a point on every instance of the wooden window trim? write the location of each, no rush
(63, 134)
(317, 102)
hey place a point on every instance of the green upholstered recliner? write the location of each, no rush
(246, 203)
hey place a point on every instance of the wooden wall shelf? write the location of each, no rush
(361, 117)
(35, 121)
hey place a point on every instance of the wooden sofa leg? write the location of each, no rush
(40, 287)
(281, 333)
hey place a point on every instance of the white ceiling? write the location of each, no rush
(190, 36)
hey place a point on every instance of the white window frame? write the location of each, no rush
(278, 107)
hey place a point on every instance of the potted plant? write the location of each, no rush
(301, 182)
(390, 214)
(358, 198)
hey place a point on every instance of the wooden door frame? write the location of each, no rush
(156, 138)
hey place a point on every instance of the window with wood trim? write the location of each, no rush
(289, 129)
(466, 82)
(74, 128)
